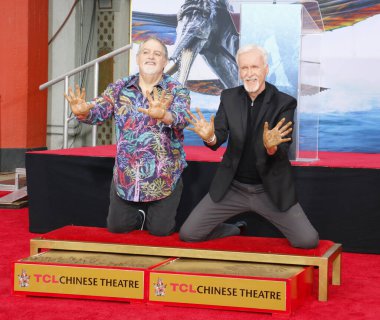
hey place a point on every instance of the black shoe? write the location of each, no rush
(242, 225)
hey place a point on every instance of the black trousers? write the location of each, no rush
(125, 216)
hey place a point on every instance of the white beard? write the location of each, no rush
(149, 69)
(251, 87)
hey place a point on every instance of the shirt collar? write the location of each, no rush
(133, 81)
(260, 97)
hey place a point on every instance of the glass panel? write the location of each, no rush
(291, 33)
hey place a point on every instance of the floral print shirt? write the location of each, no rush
(150, 156)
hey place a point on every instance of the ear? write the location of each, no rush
(266, 70)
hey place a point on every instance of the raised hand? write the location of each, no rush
(77, 102)
(157, 105)
(272, 138)
(201, 127)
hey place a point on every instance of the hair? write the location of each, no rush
(252, 47)
(163, 45)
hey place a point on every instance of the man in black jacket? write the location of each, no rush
(255, 173)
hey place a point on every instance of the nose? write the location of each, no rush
(250, 72)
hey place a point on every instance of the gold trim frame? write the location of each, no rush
(332, 256)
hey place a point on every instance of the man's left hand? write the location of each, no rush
(158, 105)
(273, 138)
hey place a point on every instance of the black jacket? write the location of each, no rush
(231, 123)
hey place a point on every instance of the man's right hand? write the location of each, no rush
(77, 102)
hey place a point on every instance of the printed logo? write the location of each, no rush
(159, 287)
(23, 279)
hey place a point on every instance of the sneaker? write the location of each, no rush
(142, 218)
(242, 225)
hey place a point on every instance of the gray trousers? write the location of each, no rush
(124, 216)
(206, 220)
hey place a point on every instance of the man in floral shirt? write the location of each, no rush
(149, 110)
